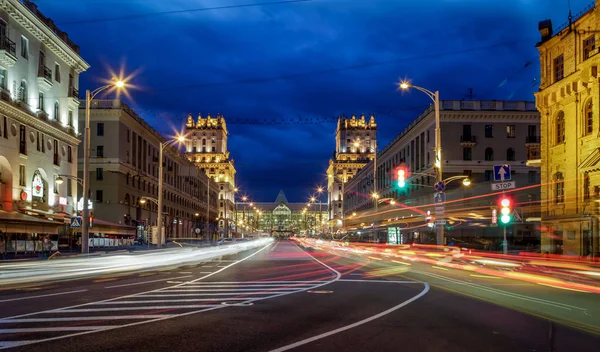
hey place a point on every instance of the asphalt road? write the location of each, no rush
(281, 297)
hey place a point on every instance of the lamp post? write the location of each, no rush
(85, 226)
(435, 96)
(159, 219)
(235, 190)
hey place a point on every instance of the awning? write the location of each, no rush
(16, 222)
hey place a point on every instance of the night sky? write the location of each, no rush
(302, 64)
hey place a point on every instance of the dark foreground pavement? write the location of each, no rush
(276, 299)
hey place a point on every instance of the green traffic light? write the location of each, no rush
(505, 219)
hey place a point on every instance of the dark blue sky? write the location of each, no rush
(310, 60)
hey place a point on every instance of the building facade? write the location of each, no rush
(355, 146)
(206, 146)
(282, 218)
(39, 79)
(124, 169)
(475, 136)
(570, 162)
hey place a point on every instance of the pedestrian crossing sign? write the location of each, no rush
(76, 222)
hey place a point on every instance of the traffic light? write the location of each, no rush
(505, 210)
(401, 173)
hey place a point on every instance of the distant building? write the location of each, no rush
(355, 146)
(124, 169)
(281, 218)
(207, 148)
(475, 136)
(570, 161)
(39, 79)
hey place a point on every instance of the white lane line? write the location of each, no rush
(118, 309)
(185, 272)
(275, 246)
(381, 281)
(215, 294)
(103, 317)
(148, 282)
(177, 300)
(503, 293)
(39, 296)
(67, 310)
(241, 286)
(55, 328)
(9, 344)
(358, 323)
(241, 290)
(257, 282)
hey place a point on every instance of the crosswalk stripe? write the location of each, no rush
(56, 328)
(174, 300)
(86, 310)
(109, 317)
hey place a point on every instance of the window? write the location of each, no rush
(3, 79)
(100, 151)
(70, 118)
(99, 196)
(69, 154)
(489, 154)
(24, 47)
(560, 127)
(489, 131)
(38, 141)
(559, 68)
(559, 185)
(43, 144)
(22, 175)
(22, 95)
(4, 127)
(100, 129)
(57, 72)
(510, 131)
(56, 111)
(589, 45)
(588, 115)
(213, 149)
(467, 154)
(41, 101)
(510, 154)
(532, 177)
(99, 174)
(55, 149)
(55, 184)
(488, 175)
(22, 140)
(69, 187)
(586, 186)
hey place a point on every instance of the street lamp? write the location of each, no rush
(320, 191)
(159, 220)
(435, 96)
(85, 226)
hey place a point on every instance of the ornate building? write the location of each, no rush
(39, 80)
(282, 218)
(206, 146)
(355, 146)
(568, 102)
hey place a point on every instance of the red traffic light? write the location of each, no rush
(505, 202)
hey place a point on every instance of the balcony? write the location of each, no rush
(73, 94)
(44, 78)
(468, 141)
(8, 53)
(534, 155)
(532, 140)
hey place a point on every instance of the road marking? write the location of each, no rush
(319, 291)
(105, 280)
(175, 300)
(486, 276)
(207, 283)
(39, 296)
(358, 323)
(104, 317)
(275, 246)
(504, 293)
(55, 328)
(8, 344)
(439, 268)
(118, 309)
(215, 294)
(148, 282)
(253, 285)
(205, 272)
(186, 272)
(382, 281)
(147, 274)
(238, 290)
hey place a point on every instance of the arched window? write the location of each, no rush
(22, 96)
(489, 154)
(560, 127)
(56, 110)
(559, 187)
(588, 116)
(510, 154)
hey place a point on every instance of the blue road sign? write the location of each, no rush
(502, 172)
(439, 186)
(76, 222)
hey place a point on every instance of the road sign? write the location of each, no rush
(439, 197)
(501, 186)
(516, 215)
(440, 222)
(439, 186)
(76, 222)
(502, 172)
(197, 230)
